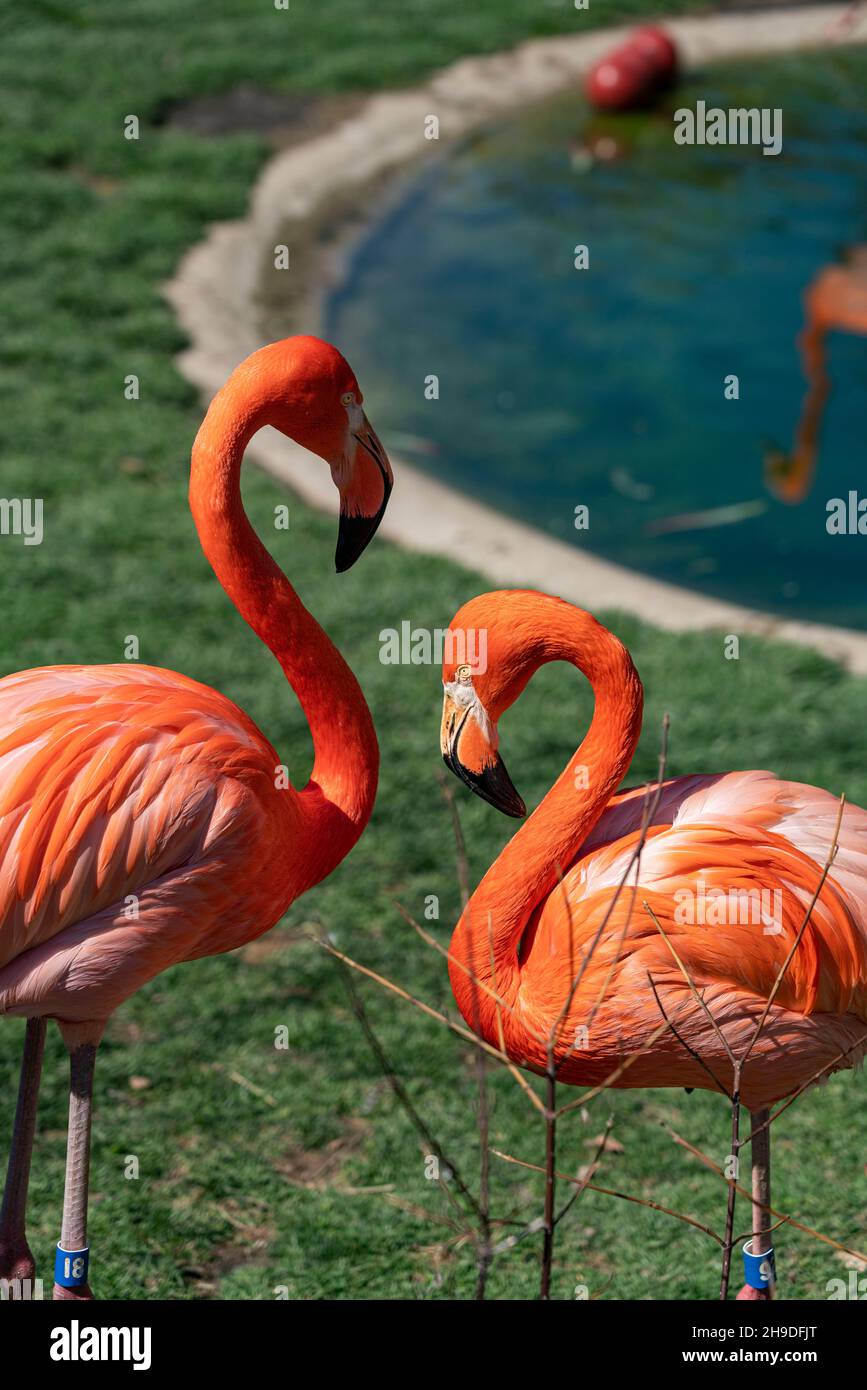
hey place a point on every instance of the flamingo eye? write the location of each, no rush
(348, 398)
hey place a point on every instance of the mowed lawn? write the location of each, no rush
(261, 1168)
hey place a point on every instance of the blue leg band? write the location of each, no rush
(759, 1270)
(70, 1267)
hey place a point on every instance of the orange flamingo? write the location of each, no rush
(555, 945)
(144, 818)
(835, 299)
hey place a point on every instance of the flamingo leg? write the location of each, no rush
(73, 1234)
(17, 1266)
(760, 1150)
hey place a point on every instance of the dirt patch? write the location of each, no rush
(280, 117)
(254, 1233)
(318, 1169)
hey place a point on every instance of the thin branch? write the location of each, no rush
(790, 1220)
(471, 975)
(691, 1050)
(692, 985)
(532, 1228)
(591, 1169)
(484, 1253)
(623, 1196)
(501, 1037)
(453, 1027)
(460, 844)
(614, 1076)
(550, 1171)
(841, 1056)
(649, 811)
(403, 1097)
(832, 855)
(768, 1230)
(647, 821)
(725, 1272)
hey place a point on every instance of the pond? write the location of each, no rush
(604, 388)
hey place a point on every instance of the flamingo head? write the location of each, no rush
(493, 646)
(486, 665)
(314, 397)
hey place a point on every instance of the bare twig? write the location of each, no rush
(403, 1097)
(693, 988)
(646, 823)
(485, 1253)
(550, 1176)
(832, 855)
(725, 1272)
(435, 1014)
(460, 844)
(840, 1057)
(790, 1220)
(680, 1038)
(431, 941)
(614, 1076)
(501, 1039)
(769, 1230)
(609, 1192)
(648, 813)
(584, 1179)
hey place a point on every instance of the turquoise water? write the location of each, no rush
(560, 388)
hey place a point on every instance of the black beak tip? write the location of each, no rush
(355, 534)
(511, 803)
(493, 785)
(496, 786)
(353, 538)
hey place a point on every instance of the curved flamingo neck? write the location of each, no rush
(337, 801)
(487, 938)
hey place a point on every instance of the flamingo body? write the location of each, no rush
(134, 802)
(744, 852)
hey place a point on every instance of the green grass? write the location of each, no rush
(94, 225)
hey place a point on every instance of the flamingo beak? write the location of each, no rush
(363, 497)
(469, 751)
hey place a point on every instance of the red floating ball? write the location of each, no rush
(633, 73)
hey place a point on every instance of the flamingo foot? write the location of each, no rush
(17, 1268)
(80, 1294)
(750, 1295)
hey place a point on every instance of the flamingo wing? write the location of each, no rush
(729, 868)
(111, 777)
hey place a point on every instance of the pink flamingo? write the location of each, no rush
(554, 943)
(144, 818)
